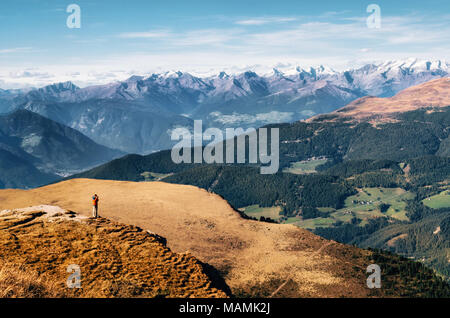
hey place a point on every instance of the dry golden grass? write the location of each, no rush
(116, 260)
(255, 258)
(18, 282)
(435, 93)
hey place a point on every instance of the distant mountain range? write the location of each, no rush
(137, 115)
(35, 150)
(418, 128)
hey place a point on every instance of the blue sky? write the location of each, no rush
(121, 38)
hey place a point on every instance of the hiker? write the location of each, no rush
(95, 206)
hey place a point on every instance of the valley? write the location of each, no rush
(368, 203)
(373, 187)
(255, 259)
(137, 115)
(35, 150)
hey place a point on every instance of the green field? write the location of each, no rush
(438, 201)
(304, 167)
(366, 202)
(256, 211)
(310, 224)
(153, 176)
(364, 205)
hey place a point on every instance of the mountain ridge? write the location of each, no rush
(35, 149)
(163, 102)
(433, 94)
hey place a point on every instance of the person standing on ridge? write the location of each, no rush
(95, 206)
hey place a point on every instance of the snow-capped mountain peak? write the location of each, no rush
(59, 87)
(381, 79)
(176, 97)
(223, 75)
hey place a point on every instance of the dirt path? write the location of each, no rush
(215, 182)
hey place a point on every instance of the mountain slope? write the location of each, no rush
(428, 240)
(435, 94)
(138, 114)
(412, 134)
(115, 260)
(34, 149)
(16, 172)
(256, 259)
(130, 126)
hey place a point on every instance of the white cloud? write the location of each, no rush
(333, 13)
(15, 50)
(145, 35)
(340, 43)
(29, 74)
(265, 20)
(309, 39)
(205, 37)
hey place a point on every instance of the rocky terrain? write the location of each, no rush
(116, 260)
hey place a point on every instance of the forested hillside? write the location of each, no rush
(351, 181)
